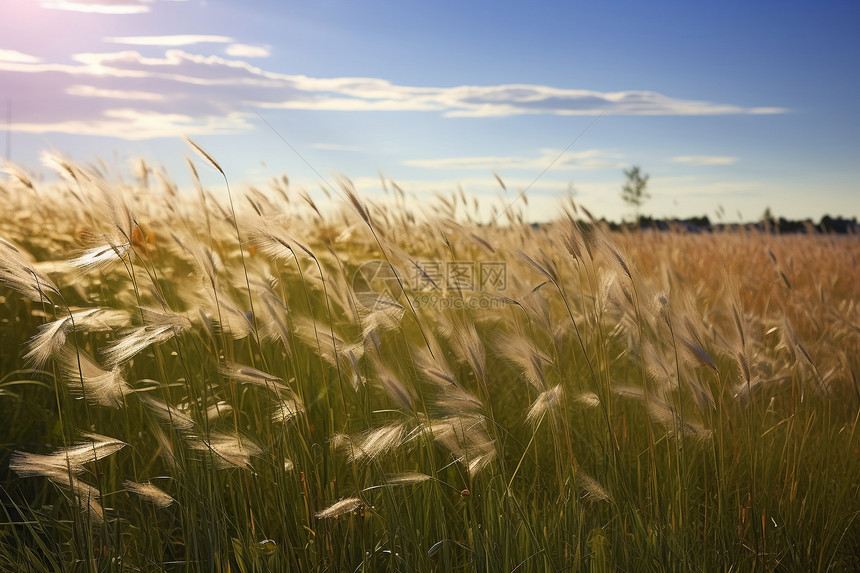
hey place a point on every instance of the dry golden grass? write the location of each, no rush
(623, 401)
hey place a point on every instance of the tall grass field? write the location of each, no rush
(246, 381)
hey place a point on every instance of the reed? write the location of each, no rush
(611, 401)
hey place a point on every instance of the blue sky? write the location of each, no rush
(732, 105)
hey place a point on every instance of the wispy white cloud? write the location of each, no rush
(336, 147)
(590, 159)
(99, 6)
(90, 91)
(102, 6)
(371, 94)
(196, 87)
(19, 57)
(247, 51)
(138, 125)
(768, 110)
(705, 159)
(172, 40)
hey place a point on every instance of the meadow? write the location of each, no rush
(248, 382)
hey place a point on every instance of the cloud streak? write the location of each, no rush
(589, 159)
(116, 7)
(371, 94)
(705, 160)
(184, 92)
(172, 40)
(90, 91)
(133, 124)
(247, 51)
(18, 57)
(338, 147)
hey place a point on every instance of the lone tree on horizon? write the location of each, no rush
(633, 192)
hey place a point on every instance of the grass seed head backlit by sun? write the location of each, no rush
(405, 384)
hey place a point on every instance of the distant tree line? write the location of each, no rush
(781, 225)
(634, 193)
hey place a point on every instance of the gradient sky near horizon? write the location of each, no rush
(730, 106)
